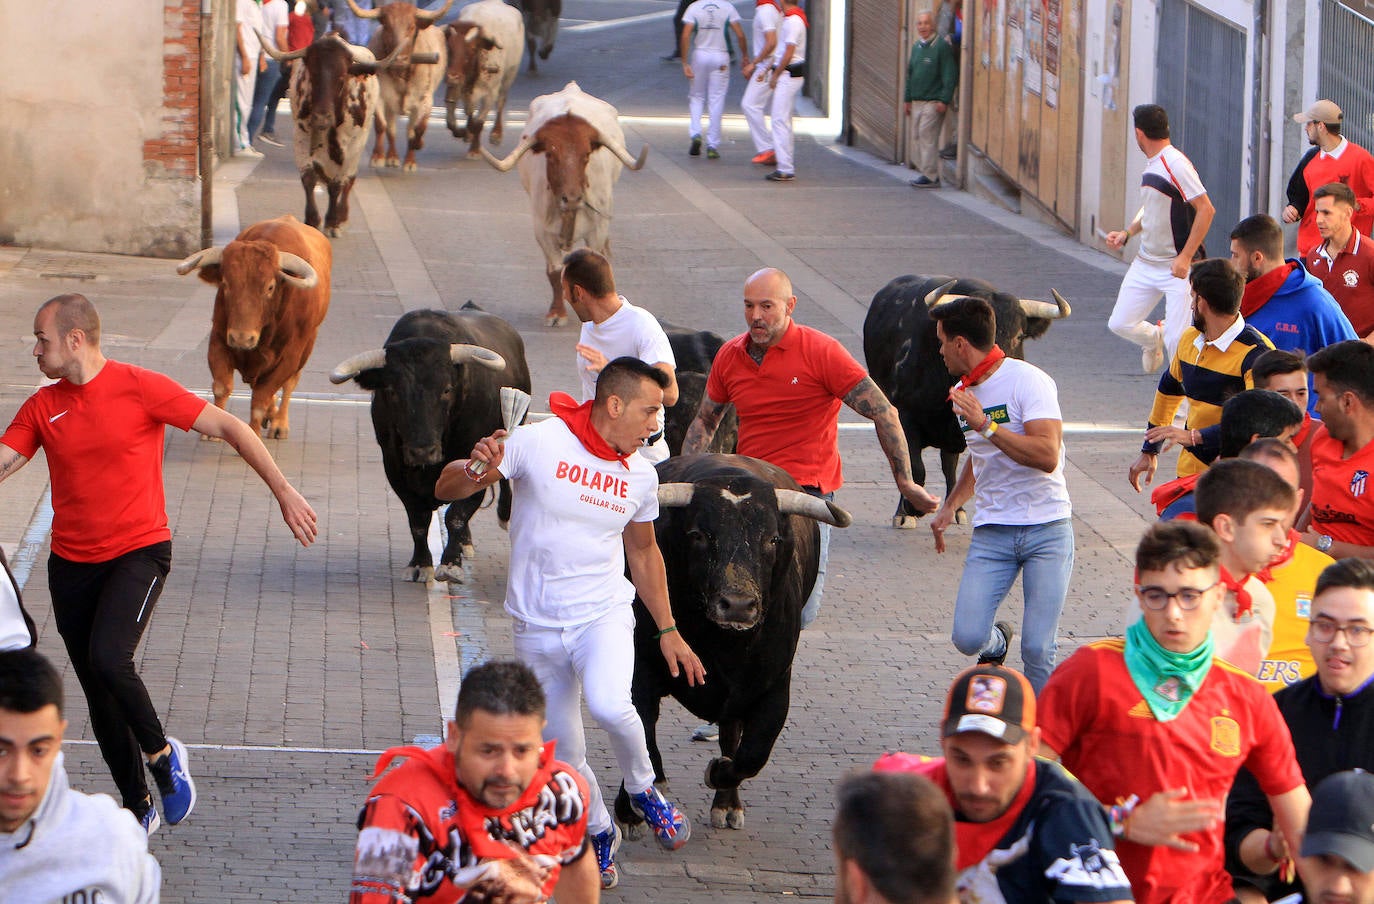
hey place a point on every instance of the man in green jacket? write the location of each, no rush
(931, 77)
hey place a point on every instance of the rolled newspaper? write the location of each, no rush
(514, 404)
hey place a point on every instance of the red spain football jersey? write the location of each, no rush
(1342, 493)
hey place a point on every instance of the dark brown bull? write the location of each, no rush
(273, 294)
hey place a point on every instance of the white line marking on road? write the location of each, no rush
(447, 670)
(605, 24)
(261, 748)
(1074, 428)
(408, 273)
(38, 528)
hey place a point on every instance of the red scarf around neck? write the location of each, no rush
(980, 370)
(1260, 290)
(772, 3)
(579, 421)
(1244, 605)
(1266, 574)
(797, 11)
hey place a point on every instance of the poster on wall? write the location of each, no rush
(1032, 72)
(992, 33)
(1111, 74)
(1015, 31)
(1053, 13)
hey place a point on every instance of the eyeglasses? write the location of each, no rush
(1157, 598)
(1324, 630)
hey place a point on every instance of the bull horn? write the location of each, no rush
(675, 495)
(511, 158)
(474, 354)
(363, 13)
(371, 65)
(619, 150)
(205, 258)
(472, 35)
(1044, 309)
(795, 502)
(350, 368)
(296, 271)
(934, 295)
(429, 15)
(360, 53)
(276, 54)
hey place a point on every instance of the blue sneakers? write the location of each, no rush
(174, 783)
(606, 844)
(670, 824)
(148, 818)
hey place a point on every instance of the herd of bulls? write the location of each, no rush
(739, 537)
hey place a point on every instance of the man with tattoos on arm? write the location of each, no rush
(1009, 411)
(786, 382)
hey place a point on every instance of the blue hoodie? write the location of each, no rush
(1302, 315)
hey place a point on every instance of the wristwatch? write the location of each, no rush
(1323, 543)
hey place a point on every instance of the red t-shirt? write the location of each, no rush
(789, 406)
(1355, 167)
(300, 30)
(1106, 735)
(1350, 279)
(423, 838)
(104, 444)
(1342, 497)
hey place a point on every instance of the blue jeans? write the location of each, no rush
(813, 602)
(1043, 553)
(266, 84)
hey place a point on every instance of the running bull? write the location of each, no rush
(695, 351)
(741, 546)
(903, 357)
(436, 390)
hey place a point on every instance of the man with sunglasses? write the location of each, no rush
(1330, 715)
(1156, 727)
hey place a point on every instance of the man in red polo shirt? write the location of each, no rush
(1344, 260)
(1342, 511)
(786, 382)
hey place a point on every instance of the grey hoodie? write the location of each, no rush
(78, 847)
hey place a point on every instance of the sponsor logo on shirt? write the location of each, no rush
(1357, 482)
(56, 416)
(592, 480)
(1304, 605)
(559, 803)
(1287, 328)
(1225, 736)
(1286, 670)
(1140, 711)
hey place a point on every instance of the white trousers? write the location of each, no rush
(596, 658)
(243, 102)
(757, 98)
(710, 81)
(1145, 283)
(784, 102)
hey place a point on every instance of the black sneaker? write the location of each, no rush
(924, 181)
(1007, 632)
(712, 154)
(695, 149)
(780, 176)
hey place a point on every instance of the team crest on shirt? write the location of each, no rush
(1352, 279)
(1357, 482)
(1225, 736)
(1304, 603)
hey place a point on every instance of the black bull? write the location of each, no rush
(903, 357)
(436, 391)
(741, 545)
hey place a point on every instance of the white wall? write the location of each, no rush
(82, 92)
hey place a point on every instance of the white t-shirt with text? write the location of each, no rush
(711, 18)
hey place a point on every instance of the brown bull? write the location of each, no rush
(273, 294)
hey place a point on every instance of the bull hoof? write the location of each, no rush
(505, 525)
(409, 168)
(451, 572)
(272, 431)
(378, 160)
(727, 818)
(713, 768)
(544, 52)
(474, 154)
(393, 161)
(906, 522)
(419, 574)
(633, 831)
(552, 319)
(496, 136)
(469, 550)
(334, 231)
(961, 517)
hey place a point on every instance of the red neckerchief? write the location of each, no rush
(1266, 574)
(579, 421)
(979, 371)
(772, 3)
(973, 840)
(797, 11)
(1260, 290)
(1244, 605)
(1166, 494)
(1305, 431)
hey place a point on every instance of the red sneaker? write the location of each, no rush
(767, 158)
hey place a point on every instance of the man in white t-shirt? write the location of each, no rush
(262, 121)
(707, 67)
(17, 630)
(1175, 214)
(585, 503)
(757, 95)
(247, 62)
(786, 80)
(1009, 411)
(613, 328)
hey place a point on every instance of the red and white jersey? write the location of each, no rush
(567, 564)
(1342, 496)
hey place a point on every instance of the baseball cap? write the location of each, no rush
(1342, 819)
(1322, 111)
(993, 699)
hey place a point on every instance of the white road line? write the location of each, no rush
(409, 276)
(38, 528)
(605, 24)
(261, 748)
(1071, 428)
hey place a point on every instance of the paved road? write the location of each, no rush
(287, 669)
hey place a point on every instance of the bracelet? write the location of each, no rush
(1195, 438)
(668, 630)
(1120, 815)
(471, 475)
(989, 429)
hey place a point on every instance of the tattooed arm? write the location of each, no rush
(10, 461)
(868, 400)
(703, 426)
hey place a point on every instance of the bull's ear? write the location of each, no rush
(210, 274)
(370, 379)
(1037, 327)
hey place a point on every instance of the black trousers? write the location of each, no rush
(101, 610)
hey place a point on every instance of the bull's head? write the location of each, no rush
(417, 382)
(736, 538)
(1018, 319)
(469, 48)
(250, 276)
(400, 22)
(567, 143)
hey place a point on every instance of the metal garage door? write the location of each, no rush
(876, 65)
(1347, 68)
(1200, 80)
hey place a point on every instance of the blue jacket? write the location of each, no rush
(1302, 315)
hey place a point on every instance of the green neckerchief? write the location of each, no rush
(1166, 680)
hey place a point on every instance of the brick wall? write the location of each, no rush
(175, 152)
